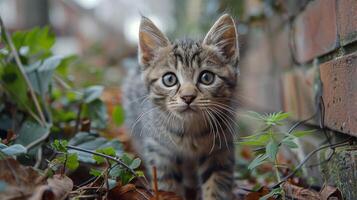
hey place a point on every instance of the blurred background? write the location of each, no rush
(291, 56)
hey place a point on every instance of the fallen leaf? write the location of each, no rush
(25, 183)
(329, 192)
(258, 194)
(299, 193)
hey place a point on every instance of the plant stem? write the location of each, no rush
(104, 156)
(308, 157)
(23, 73)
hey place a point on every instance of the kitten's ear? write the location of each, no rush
(223, 36)
(150, 39)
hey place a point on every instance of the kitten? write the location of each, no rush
(180, 109)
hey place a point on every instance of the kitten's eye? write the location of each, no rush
(207, 77)
(169, 79)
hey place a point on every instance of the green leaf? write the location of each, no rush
(38, 41)
(14, 83)
(72, 162)
(13, 150)
(110, 151)
(97, 112)
(29, 132)
(60, 145)
(260, 159)
(272, 149)
(95, 172)
(118, 115)
(92, 93)
(302, 133)
(40, 74)
(259, 140)
(92, 142)
(135, 163)
(289, 143)
(140, 173)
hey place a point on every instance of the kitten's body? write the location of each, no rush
(190, 144)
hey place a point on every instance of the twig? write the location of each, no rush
(308, 157)
(23, 73)
(120, 162)
(156, 188)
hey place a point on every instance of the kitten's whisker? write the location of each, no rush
(140, 117)
(222, 131)
(227, 115)
(216, 127)
(211, 129)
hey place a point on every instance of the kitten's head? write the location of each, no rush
(190, 78)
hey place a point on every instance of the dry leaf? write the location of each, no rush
(25, 183)
(328, 192)
(256, 195)
(299, 193)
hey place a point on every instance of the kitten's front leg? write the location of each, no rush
(216, 171)
(169, 174)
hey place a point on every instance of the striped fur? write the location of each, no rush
(192, 149)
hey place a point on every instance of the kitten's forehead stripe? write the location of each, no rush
(187, 51)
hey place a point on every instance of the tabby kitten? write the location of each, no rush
(180, 109)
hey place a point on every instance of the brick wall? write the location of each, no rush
(295, 52)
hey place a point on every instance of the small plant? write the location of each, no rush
(268, 140)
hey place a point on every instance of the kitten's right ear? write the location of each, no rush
(150, 40)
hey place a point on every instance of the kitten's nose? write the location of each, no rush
(188, 98)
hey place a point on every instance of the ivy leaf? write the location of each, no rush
(14, 83)
(40, 74)
(110, 151)
(13, 150)
(92, 93)
(272, 149)
(29, 132)
(60, 145)
(135, 163)
(260, 159)
(72, 162)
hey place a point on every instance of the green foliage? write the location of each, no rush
(270, 139)
(55, 108)
(13, 150)
(118, 115)
(60, 145)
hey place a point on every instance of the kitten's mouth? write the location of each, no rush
(187, 109)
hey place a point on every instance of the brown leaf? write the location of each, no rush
(26, 183)
(328, 192)
(129, 192)
(256, 195)
(300, 193)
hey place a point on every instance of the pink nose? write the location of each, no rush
(188, 99)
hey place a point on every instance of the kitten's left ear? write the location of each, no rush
(223, 36)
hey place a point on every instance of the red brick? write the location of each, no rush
(299, 93)
(347, 20)
(282, 54)
(291, 7)
(259, 82)
(315, 30)
(340, 93)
